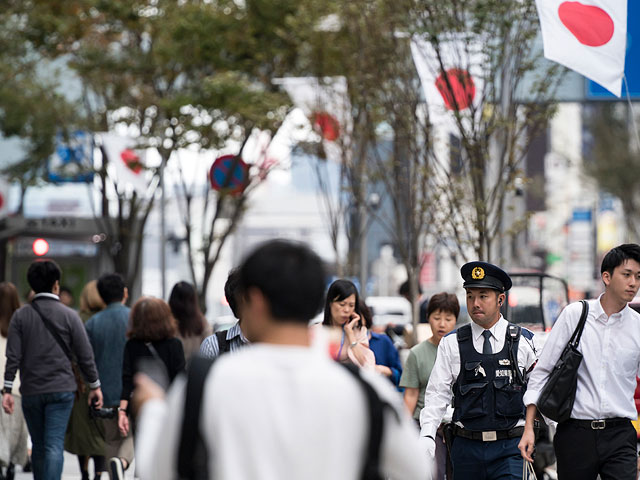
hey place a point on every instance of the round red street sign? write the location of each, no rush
(222, 177)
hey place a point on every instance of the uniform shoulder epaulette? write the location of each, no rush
(528, 334)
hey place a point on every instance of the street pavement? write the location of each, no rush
(71, 471)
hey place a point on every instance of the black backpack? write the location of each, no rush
(192, 454)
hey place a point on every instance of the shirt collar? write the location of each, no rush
(499, 329)
(46, 294)
(236, 331)
(600, 313)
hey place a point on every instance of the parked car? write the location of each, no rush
(535, 301)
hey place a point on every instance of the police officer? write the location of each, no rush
(483, 365)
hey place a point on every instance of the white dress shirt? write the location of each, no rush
(611, 360)
(438, 394)
(280, 412)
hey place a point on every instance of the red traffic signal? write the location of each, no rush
(40, 247)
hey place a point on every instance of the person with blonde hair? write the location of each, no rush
(90, 301)
(13, 428)
(85, 435)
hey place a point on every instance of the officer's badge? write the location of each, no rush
(477, 273)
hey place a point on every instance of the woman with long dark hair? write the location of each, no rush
(341, 309)
(193, 328)
(13, 428)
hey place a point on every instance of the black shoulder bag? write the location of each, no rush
(557, 397)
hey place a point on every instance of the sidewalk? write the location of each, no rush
(71, 470)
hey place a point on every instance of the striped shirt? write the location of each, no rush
(235, 338)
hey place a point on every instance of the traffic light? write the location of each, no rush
(40, 247)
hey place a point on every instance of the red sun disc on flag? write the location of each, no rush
(327, 124)
(132, 160)
(591, 25)
(458, 93)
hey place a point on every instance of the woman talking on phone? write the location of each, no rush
(341, 310)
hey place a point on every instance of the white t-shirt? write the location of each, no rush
(280, 412)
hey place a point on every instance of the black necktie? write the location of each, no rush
(486, 346)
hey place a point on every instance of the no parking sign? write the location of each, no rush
(229, 173)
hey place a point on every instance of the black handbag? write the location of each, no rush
(557, 397)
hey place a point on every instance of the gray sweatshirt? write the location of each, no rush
(31, 348)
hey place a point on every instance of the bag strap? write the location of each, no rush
(153, 351)
(224, 346)
(190, 434)
(371, 467)
(47, 323)
(577, 333)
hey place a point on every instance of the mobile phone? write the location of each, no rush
(155, 370)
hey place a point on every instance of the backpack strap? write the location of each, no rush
(224, 346)
(192, 457)
(464, 333)
(371, 467)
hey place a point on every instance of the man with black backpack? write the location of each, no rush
(279, 408)
(232, 339)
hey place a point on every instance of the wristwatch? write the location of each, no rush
(6, 390)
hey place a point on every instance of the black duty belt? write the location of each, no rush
(598, 424)
(488, 436)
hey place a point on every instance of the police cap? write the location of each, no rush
(485, 275)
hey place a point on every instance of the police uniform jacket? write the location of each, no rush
(438, 394)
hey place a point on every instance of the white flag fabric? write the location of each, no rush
(4, 197)
(126, 163)
(589, 37)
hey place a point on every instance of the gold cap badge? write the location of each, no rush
(477, 273)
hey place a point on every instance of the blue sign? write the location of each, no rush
(632, 61)
(581, 215)
(72, 160)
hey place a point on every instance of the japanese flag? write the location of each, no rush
(452, 78)
(326, 104)
(126, 163)
(588, 37)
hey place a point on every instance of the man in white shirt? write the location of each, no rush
(484, 366)
(279, 409)
(599, 437)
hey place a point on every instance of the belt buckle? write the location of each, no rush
(598, 424)
(490, 436)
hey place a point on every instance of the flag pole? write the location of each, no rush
(633, 113)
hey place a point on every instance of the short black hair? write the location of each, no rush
(289, 275)
(232, 291)
(404, 289)
(445, 302)
(42, 275)
(618, 255)
(111, 287)
(339, 290)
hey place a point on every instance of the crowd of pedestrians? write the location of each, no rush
(116, 384)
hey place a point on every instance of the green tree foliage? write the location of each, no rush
(176, 74)
(495, 132)
(614, 159)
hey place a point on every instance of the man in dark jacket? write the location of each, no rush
(40, 336)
